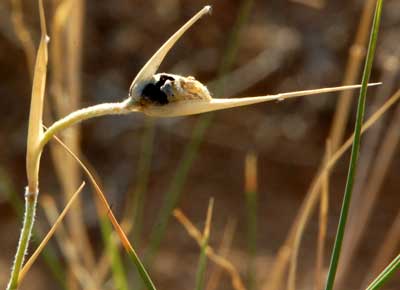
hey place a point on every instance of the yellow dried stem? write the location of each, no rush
(35, 129)
(226, 243)
(207, 226)
(356, 58)
(236, 280)
(301, 222)
(68, 249)
(49, 235)
(323, 224)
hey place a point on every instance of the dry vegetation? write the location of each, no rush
(272, 175)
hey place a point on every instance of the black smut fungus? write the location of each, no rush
(153, 93)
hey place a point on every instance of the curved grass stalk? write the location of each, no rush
(355, 148)
(122, 236)
(35, 132)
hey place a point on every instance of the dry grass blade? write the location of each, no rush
(236, 280)
(66, 50)
(375, 117)
(68, 249)
(62, 12)
(227, 238)
(207, 227)
(273, 281)
(35, 129)
(357, 52)
(121, 234)
(202, 263)
(301, 223)
(323, 224)
(49, 235)
(150, 68)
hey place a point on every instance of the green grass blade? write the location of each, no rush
(201, 268)
(355, 148)
(176, 186)
(117, 267)
(385, 275)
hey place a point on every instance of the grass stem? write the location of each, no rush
(29, 219)
(355, 148)
(385, 274)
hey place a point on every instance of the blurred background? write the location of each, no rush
(147, 167)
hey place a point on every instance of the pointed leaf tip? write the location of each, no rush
(151, 67)
(208, 9)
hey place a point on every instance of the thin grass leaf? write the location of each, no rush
(49, 234)
(122, 236)
(202, 264)
(224, 249)
(68, 249)
(385, 275)
(323, 223)
(355, 148)
(222, 262)
(353, 68)
(117, 266)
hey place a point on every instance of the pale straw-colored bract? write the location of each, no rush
(184, 103)
(181, 96)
